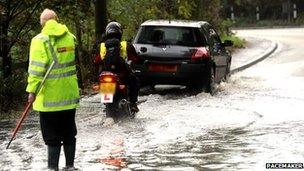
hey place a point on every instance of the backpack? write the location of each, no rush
(113, 60)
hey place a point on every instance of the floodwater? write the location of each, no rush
(255, 118)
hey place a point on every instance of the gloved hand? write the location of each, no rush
(129, 62)
(97, 60)
(31, 98)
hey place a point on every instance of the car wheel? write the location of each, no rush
(210, 87)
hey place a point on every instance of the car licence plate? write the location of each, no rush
(162, 68)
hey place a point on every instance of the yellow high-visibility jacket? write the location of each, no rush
(123, 50)
(60, 90)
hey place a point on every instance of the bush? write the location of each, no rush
(225, 27)
(237, 42)
(227, 34)
(12, 93)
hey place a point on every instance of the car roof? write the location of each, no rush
(178, 23)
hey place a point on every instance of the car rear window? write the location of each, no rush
(182, 36)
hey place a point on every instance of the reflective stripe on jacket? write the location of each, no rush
(123, 50)
(60, 90)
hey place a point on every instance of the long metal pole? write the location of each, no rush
(29, 105)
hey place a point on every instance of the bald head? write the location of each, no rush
(46, 15)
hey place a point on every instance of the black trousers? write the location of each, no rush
(58, 127)
(134, 86)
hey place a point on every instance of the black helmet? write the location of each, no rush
(113, 29)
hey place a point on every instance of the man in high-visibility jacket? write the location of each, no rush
(128, 53)
(59, 96)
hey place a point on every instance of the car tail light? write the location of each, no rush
(199, 54)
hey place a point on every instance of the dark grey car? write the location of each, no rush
(181, 52)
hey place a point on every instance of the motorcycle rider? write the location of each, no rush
(113, 33)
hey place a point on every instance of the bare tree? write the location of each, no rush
(20, 13)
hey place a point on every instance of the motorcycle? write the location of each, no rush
(115, 95)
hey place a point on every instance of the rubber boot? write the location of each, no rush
(53, 157)
(69, 152)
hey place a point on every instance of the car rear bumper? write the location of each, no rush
(185, 74)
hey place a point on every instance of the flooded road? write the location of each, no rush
(254, 119)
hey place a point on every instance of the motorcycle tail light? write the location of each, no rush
(199, 54)
(107, 79)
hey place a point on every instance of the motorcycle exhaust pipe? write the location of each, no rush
(123, 103)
